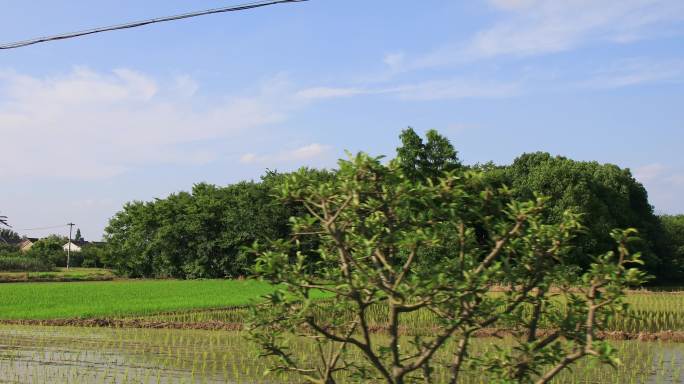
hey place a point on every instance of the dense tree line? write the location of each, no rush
(198, 234)
(203, 233)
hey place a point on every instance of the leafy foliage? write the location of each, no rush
(421, 160)
(49, 251)
(22, 263)
(94, 256)
(606, 196)
(8, 236)
(373, 223)
(673, 231)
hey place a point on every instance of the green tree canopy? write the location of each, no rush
(605, 195)
(201, 233)
(673, 231)
(421, 160)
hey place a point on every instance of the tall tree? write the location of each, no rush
(430, 159)
(604, 194)
(372, 222)
(78, 238)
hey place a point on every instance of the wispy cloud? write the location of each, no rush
(649, 172)
(456, 89)
(665, 184)
(305, 153)
(90, 125)
(394, 60)
(636, 71)
(319, 93)
(535, 27)
(455, 128)
(446, 89)
(677, 180)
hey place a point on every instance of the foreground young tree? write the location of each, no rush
(374, 225)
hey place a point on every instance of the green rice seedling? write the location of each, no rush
(46, 355)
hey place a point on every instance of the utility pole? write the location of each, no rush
(71, 228)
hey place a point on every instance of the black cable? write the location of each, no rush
(43, 228)
(135, 24)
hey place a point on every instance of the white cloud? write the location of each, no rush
(534, 27)
(307, 152)
(318, 93)
(677, 179)
(512, 4)
(299, 155)
(556, 25)
(665, 186)
(632, 72)
(93, 203)
(186, 85)
(447, 89)
(649, 172)
(454, 89)
(90, 125)
(460, 127)
(394, 60)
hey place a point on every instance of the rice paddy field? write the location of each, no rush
(649, 312)
(106, 355)
(122, 297)
(125, 354)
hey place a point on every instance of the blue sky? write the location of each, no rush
(90, 123)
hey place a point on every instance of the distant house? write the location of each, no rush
(26, 243)
(74, 247)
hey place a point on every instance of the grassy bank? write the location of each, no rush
(59, 275)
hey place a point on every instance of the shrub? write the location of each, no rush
(24, 264)
(93, 256)
(49, 250)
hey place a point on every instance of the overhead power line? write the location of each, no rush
(43, 228)
(234, 8)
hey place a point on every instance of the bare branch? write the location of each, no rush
(498, 246)
(405, 268)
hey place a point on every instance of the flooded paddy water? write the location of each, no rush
(117, 355)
